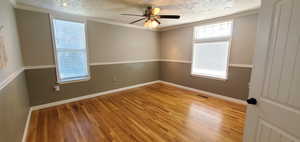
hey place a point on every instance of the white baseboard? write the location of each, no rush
(89, 96)
(207, 93)
(26, 126)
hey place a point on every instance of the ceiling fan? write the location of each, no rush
(151, 17)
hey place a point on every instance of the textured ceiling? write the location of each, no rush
(190, 10)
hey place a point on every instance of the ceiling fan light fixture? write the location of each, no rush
(146, 24)
(155, 11)
(65, 4)
(151, 24)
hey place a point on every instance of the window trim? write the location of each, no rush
(77, 79)
(216, 39)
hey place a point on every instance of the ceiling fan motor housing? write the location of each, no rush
(151, 16)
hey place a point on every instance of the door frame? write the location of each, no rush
(259, 69)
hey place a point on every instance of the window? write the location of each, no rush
(69, 39)
(211, 50)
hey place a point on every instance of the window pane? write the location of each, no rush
(213, 30)
(69, 34)
(210, 59)
(72, 64)
(70, 50)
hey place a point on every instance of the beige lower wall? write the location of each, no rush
(236, 86)
(103, 77)
(14, 108)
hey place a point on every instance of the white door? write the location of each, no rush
(275, 82)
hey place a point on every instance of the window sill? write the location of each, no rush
(209, 77)
(74, 80)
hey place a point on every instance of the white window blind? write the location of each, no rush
(70, 50)
(211, 50)
(218, 30)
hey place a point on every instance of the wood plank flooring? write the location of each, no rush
(153, 113)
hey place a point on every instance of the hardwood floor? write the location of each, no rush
(153, 113)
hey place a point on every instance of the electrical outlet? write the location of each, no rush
(56, 88)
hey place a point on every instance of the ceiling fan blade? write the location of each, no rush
(169, 16)
(157, 20)
(133, 15)
(137, 21)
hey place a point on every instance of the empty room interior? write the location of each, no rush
(149, 71)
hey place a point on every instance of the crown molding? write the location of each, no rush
(19, 5)
(64, 14)
(121, 24)
(212, 20)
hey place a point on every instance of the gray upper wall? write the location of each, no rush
(112, 43)
(35, 37)
(106, 43)
(7, 19)
(176, 44)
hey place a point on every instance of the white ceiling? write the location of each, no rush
(190, 10)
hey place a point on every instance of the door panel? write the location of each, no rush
(280, 115)
(281, 21)
(269, 133)
(276, 75)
